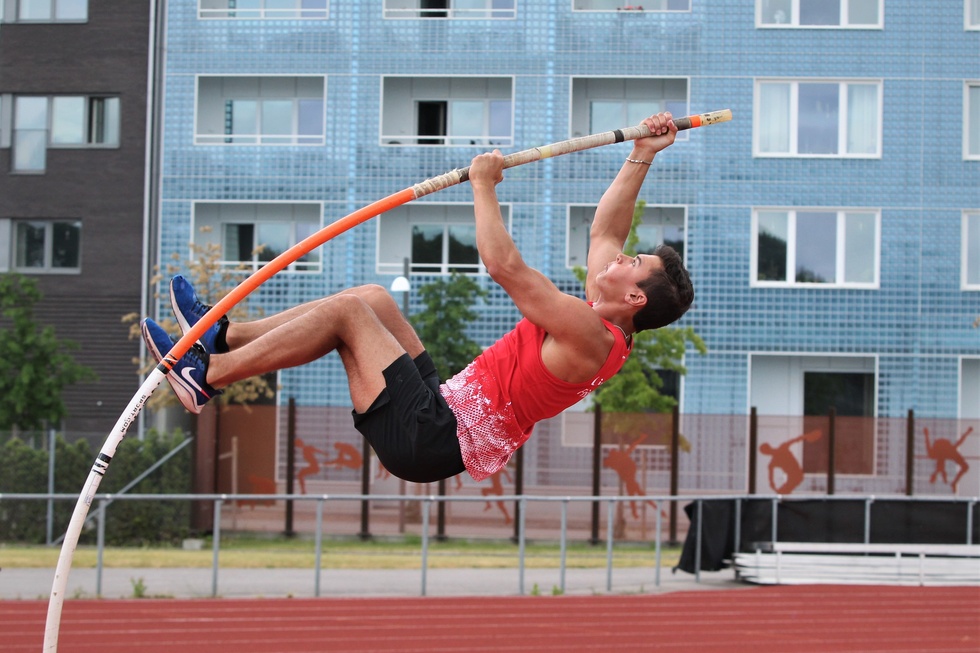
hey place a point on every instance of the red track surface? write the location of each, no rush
(797, 619)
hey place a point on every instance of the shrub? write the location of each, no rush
(128, 522)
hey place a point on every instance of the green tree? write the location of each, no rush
(212, 280)
(637, 386)
(442, 325)
(35, 365)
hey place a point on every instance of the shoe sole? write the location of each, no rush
(186, 395)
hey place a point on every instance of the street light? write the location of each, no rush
(404, 286)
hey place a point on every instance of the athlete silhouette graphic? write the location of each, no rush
(347, 456)
(943, 450)
(497, 488)
(621, 461)
(312, 464)
(784, 461)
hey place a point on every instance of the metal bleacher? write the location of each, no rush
(796, 563)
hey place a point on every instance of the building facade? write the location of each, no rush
(73, 89)
(832, 229)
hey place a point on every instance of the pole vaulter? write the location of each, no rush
(159, 373)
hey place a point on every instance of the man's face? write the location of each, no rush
(623, 274)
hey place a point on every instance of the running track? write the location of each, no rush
(787, 619)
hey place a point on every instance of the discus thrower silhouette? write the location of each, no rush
(783, 459)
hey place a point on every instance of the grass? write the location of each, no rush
(297, 553)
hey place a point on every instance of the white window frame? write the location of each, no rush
(213, 137)
(10, 12)
(971, 15)
(587, 89)
(212, 10)
(89, 127)
(839, 255)
(793, 118)
(970, 249)
(631, 5)
(410, 10)
(577, 229)
(794, 19)
(775, 383)
(48, 267)
(112, 123)
(208, 231)
(439, 88)
(970, 110)
(394, 235)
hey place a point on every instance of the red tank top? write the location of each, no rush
(502, 394)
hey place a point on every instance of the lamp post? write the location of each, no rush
(404, 286)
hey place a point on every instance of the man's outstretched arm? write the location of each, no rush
(536, 296)
(614, 215)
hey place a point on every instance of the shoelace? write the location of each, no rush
(200, 308)
(197, 352)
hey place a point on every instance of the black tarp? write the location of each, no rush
(821, 520)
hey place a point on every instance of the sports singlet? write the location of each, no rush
(502, 394)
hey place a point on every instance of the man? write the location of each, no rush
(422, 431)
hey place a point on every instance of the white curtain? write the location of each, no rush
(973, 119)
(972, 261)
(773, 124)
(862, 119)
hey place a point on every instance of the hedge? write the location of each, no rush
(25, 470)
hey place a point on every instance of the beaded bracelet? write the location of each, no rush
(646, 163)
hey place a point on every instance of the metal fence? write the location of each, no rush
(694, 544)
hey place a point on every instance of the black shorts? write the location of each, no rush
(410, 426)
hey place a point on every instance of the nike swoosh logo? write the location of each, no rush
(185, 374)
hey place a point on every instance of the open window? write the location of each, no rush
(459, 111)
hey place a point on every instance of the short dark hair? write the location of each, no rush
(668, 290)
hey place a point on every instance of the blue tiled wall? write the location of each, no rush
(918, 321)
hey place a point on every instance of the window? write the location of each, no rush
(626, 5)
(84, 121)
(660, 225)
(852, 396)
(45, 11)
(264, 9)
(860, 14)
(815, 247)
(467, 111)
(793, 395)
(260, 111)
(818, 118)
(970, 388)
(970, 267)
(61, 122)
(972, 14)
(249, 235)
(601, 104)
(436, 238)
(30, 133)
(472, 9)
(46, 246)
(971, 126)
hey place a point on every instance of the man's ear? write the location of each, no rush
(637, 299)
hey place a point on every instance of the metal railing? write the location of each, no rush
(104, 500)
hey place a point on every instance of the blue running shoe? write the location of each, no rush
(189, 310)
(188, 377)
